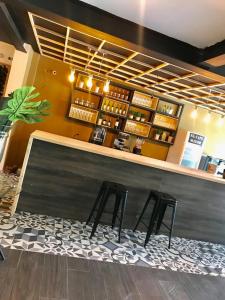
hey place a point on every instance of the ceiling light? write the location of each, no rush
(106, 86)
(220, 121)
(207, 118)
(89, 81)
(194, 113)
(72, 76)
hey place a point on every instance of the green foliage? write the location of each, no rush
(20, 107)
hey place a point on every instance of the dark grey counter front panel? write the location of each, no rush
(63, 182)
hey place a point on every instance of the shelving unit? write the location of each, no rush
(141, 115)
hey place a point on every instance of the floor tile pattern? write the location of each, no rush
(45, 234)
(8, 185)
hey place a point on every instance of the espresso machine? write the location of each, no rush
(98, 136)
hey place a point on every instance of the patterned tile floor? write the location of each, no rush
(40, 233)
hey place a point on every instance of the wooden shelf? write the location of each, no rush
(117, 99)
(146, 123)
(143, 107)
(160, 141)
(113, 114)
(163, 127)
(89, 91)
(137, 135)
(83, 107)
(167, 115)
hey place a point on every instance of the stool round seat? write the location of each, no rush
(107, 189)
(162, 201)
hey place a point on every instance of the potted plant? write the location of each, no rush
(19, 107)
(157, 134)
(142, 118)
(138, 116)
(131, 115)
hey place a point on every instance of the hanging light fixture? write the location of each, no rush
(207, 118)
(194, 113)
(220, 121)
(72, 75)
(106, 86)
(89, 82)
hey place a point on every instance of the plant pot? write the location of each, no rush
(131, 117)
(142, 119)
(138, 118)
(157, 136)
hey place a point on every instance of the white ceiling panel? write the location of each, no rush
(200, 23)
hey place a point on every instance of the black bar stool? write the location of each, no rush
(2, 256)
(162, 201)
(109, 188)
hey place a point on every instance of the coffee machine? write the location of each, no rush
(98, 136)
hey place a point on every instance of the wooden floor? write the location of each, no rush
(29, 276)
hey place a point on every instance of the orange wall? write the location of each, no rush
(57, 90)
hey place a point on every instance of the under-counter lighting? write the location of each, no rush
(220, 121)
(194, 113)
(72, 76)
(207, 118)
(90, 82)
(106, 86)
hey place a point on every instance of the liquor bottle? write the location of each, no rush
(100, 120)
(124, 110)
(108, 106)
(120, 110)
(104, 122)
(117, 123)
(112, 107)
(116, 110)
(105, 105)
(109, 123)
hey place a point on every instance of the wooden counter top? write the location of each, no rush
(138, 159)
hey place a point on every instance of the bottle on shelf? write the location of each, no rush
(120, 109)
(116, 109)
(105, 105)
(108, 107)
(124, 110)
(112, 107)
(100, 120)
(117, 123)
(104, 121)
(109, 123)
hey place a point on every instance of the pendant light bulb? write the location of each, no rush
(72, 76)
(106, 86)
(207, 118)
(194, 113)
(220, 121)
(90, 81)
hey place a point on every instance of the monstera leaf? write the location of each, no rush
(20, 107)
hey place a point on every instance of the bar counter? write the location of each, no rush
(61, 177)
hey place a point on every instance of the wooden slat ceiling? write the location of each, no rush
(114, 62)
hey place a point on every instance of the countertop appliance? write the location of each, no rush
(98, 136)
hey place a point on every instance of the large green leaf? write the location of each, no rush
(20, 107)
